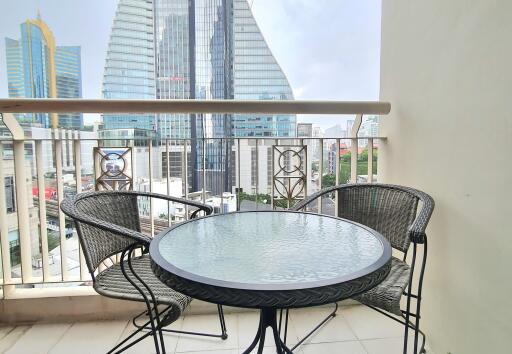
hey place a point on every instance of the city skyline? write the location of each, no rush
(348, 70)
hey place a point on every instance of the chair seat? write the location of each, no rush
(112, 283)
(387, 294)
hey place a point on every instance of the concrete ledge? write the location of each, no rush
(52, 305)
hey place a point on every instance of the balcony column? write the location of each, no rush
(22, 206)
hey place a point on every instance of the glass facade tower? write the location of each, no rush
(129, 66)
(195, 49)
(37, 68)
(68, 72)
(213, 57)
(257, 76)
(173, 67)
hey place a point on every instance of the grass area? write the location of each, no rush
(53, 240)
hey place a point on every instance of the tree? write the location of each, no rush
(328, 180)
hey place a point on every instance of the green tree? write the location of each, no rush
(328, 180)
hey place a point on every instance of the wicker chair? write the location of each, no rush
(393, 211)
(116, 253)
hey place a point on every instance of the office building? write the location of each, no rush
(198, 49)
(37, 68)
(129, 65)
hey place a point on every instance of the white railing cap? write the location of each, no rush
(59, 105)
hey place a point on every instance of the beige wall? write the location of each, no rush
(447, 71)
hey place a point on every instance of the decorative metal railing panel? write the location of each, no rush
(113, 168)
(289, 181)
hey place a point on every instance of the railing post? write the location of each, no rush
(337, 174)
(22, 205)
(320, 173)
(57, 140)
(354, 147)
(150, 175)
(370, 160)
(42, 209)
(168, 179)
(5, 251)
(77, 152)
(185, 159)
(238, 182)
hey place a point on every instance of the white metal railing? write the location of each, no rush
(29, 169)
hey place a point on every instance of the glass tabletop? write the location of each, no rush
(270, 248)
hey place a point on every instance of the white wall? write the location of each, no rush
(447, 71)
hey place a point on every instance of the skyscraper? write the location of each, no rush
(173, 63)
(200, 49)
(129, 66)
(37, 68)
(257, 76)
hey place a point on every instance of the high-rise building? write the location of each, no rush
(173, 63)
(68, 71)
(195, 49)
(37, 68)
(305, 130)
(257, 76)
(129, 66)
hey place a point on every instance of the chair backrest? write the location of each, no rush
(390, 210)
(113, 207)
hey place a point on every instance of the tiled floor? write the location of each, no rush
(355, 330)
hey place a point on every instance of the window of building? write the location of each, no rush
(9, 194)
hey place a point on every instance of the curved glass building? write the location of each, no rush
(257, 76)
(195, 49)
(129, 66)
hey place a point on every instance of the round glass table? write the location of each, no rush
(270, 260)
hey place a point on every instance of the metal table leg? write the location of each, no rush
(268, 318)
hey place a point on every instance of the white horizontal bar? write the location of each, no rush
(59, 105)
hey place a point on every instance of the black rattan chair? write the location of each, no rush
(393, 211)
(116, 253)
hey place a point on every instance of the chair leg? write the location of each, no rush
(310, 333)
(409, 297)
(418, 302)
(146, 300)
(411, 325)
(155, 328)
(222, 321)
(224, 334)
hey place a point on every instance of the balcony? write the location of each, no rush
(45, 283)
(445, 68)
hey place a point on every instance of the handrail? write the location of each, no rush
(58, 105)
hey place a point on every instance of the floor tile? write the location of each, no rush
(147, 345)
(45, 335)
(387, 345)
(12, 337)
(207, 324)
(353, 347)
(369, 324)
(334, 330)
(227, 351)
(90, 337)
(4, 330)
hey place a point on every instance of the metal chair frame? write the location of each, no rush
(155, 325)
(417, 236)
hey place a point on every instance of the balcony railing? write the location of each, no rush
(39, 249)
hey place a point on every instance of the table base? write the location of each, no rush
(268, 318)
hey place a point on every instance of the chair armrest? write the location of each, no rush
(314, 196)
(206, 208)
(417, 230)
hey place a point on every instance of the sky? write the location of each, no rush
(329, 49)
